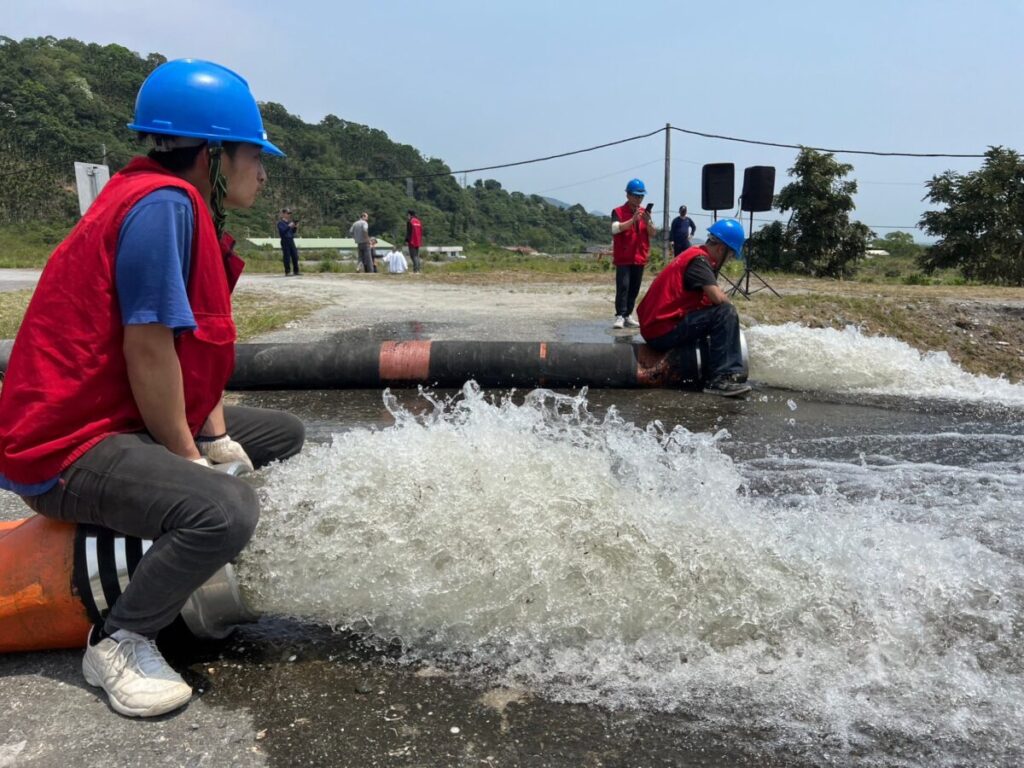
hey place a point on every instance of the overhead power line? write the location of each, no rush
(40, 166)
(402, 176)
(599, 178)
(820, 149)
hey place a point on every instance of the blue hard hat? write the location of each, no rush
(636, 187)
(730, 232)
(201, 100)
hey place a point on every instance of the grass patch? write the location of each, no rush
(12, 309)
(255, 313)
(29, 245)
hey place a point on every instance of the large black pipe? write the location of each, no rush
(330, 365)
(368, 365)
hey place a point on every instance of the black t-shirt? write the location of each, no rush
(699, 274)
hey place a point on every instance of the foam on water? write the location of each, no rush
(596, 561)
(793, 356)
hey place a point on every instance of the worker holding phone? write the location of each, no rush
(631, 246)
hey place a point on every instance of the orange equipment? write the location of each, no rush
(57, 579)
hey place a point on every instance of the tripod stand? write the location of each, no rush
(742, 286)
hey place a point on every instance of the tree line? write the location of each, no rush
(980, 229)
(65, 100)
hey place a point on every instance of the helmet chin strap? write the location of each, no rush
(218, 190)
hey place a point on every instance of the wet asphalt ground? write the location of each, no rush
(281, 692)
(284, 693)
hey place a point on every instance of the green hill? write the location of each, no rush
(64, 100)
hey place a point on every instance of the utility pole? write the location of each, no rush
(103, 154)
(665, 247)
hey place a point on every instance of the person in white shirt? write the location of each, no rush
(395, 261)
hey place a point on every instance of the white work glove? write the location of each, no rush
(222, 450)
(202, 462)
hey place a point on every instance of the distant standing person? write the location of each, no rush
(685, 304)
(631, 245)
(286, 227)
(682, 230)
(360, 232)
(414, 239)
(395, 261)
(373, 253)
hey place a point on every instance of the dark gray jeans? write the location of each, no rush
(721, 325)
(627, 288)
(366, 258)
(198, 519)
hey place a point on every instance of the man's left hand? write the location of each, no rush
(222, 450)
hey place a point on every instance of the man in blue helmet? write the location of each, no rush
(111, 411)
(684, 304)
(631, 245)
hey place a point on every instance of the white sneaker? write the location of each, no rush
(620, 322)
(138, 682)
(631, 323)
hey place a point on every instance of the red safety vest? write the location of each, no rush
(667, 301)
(631, 246)
(416, 237)
(67, 386)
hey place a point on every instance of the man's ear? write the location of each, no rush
(203, 159)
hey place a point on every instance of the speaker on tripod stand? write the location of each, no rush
(717, 181)
(758, 193)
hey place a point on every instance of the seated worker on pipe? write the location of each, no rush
(685, 304)
(111, 411)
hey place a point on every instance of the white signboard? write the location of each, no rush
(90, 179)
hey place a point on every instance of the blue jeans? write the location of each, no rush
(290, 255)
(721, 325)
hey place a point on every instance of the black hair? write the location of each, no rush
(181, 159)
(411, 212)
(176, 160)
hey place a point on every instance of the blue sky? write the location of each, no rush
(481, 83)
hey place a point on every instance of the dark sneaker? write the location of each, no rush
(726, 388)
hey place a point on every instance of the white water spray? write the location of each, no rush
(596, 561)
(793, 356)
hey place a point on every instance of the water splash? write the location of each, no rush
(793, 356)
(600, 562)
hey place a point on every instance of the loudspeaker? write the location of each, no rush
(758, 188)
(717, 186)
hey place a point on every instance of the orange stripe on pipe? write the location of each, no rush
(652, 368)
(543, 350)
(405, 361)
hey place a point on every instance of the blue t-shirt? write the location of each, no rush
(682, 229)
(154, 253)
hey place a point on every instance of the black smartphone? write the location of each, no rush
(650, 207)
